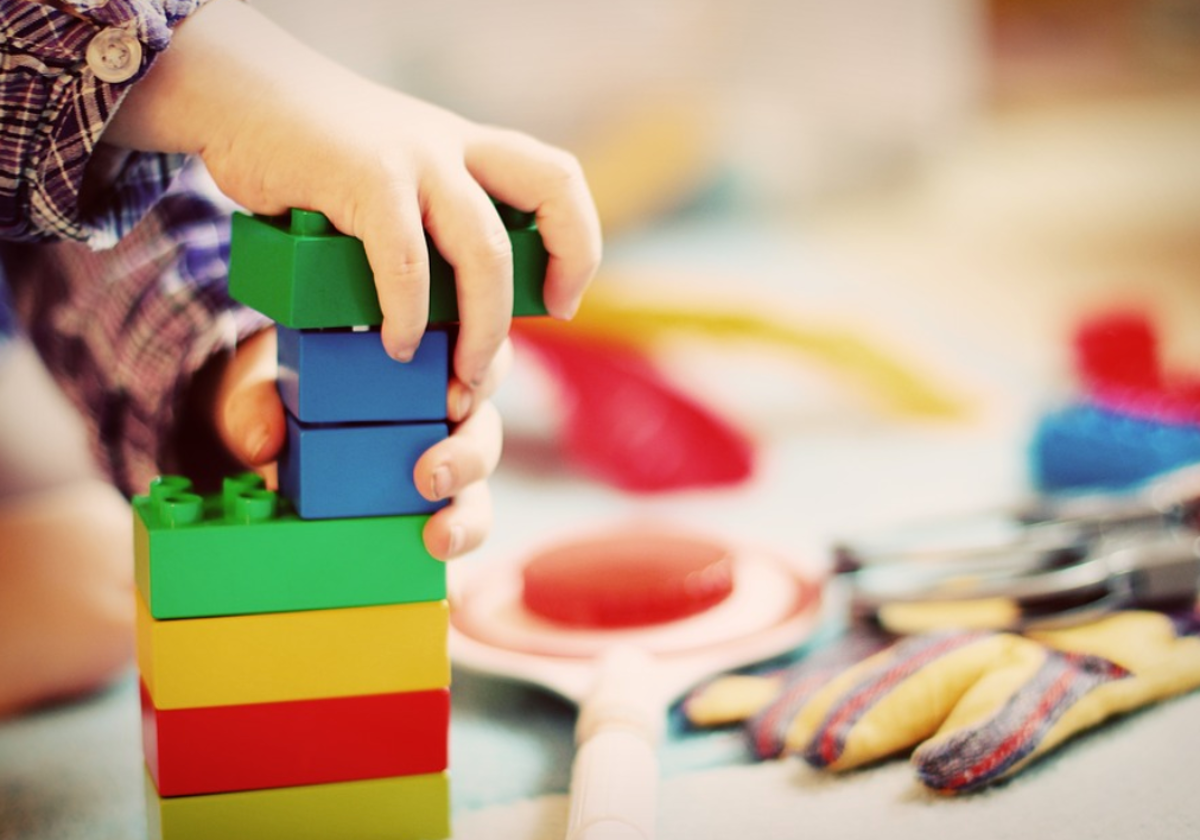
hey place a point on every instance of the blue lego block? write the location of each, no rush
(1085, 447)
(340, 376)
(332, 471)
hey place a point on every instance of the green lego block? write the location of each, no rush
(397, 808)
(245, 551)
(302, 273)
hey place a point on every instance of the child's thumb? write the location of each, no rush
(249, 414)
(253, 425)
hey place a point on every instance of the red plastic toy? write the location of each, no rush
(627, 426)
(627, 580)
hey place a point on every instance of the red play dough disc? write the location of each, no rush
(628, 580)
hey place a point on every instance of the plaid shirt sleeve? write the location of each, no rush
(117, 261)
(124, 330)
(53, 109)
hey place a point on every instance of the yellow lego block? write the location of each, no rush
(269, 657)
(400, 808)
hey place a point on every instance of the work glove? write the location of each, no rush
(977, 706)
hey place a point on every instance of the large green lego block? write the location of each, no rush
(302, 273)
(399, 808)
(245, 551)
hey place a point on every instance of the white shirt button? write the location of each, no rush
(114, 55)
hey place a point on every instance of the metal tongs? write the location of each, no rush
(1056, 561)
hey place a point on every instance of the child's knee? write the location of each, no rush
(43, 440)
(66, 593)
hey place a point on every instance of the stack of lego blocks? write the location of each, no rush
(292, 644)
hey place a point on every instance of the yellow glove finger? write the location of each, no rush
(730, 699)
(769, 702)
(1039, 696)
(893, 700)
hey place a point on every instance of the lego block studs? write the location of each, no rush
(246, 551)
(310, 223)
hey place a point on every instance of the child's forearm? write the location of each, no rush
(225, 64)
(65, 66)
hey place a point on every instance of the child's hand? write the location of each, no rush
(281, 126)
(249, 419)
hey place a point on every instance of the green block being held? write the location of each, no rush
(245, 551)
(304, 274)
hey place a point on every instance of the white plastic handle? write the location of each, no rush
(614, 779)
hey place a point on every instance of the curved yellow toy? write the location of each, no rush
(899, 388)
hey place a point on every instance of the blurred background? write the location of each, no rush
(975, 152)
(789, 98)
(912, 205)
(954, 184)
(861, 233)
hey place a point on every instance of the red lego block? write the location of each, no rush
(219, 749)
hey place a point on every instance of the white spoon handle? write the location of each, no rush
(614, 778)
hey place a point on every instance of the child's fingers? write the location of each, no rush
(457, 467)
(394, 239)
(531, 176)
(461, 399)
(462, 525)
(467, 231)
(468, 455)
(248, 413)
